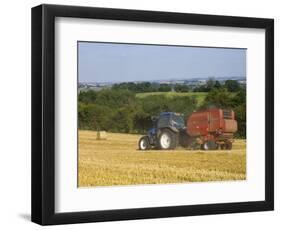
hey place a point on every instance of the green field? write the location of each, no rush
(200, 96)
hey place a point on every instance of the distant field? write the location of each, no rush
(117, 161)
(200, 96)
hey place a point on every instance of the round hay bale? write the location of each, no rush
(101, 135)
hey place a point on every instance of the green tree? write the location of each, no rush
(232, 85)
(240, 97)
(218, 98)
(184, 104)
(94, 117)
(141, 121)
(115, 98)
(239, 100)
(122, 120)
(87, 96)
(217, 85)
(164, 88)
(240, 113)
(154, 104)
(200, 88)
(181, 88)
(210, 84)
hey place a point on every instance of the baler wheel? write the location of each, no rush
(228, 145)
(222, 146)
(209, 145)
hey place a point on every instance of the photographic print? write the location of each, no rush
(159, 114)
(136, 114)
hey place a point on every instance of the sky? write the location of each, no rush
(116, 62)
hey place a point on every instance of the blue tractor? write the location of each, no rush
(166, 132)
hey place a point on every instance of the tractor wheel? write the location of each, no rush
(167, 140)
(228, 145)
(144, 143)
(209, 145)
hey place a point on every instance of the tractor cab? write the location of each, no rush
(174, 121)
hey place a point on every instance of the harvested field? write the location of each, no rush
(117, 161)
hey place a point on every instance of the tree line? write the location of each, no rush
(143, 87)
(119, 110)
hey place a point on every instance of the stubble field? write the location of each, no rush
(117, 161)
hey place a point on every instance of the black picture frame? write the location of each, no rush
(43, 114)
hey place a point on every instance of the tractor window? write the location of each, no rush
(178, 120)
(164, 121)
